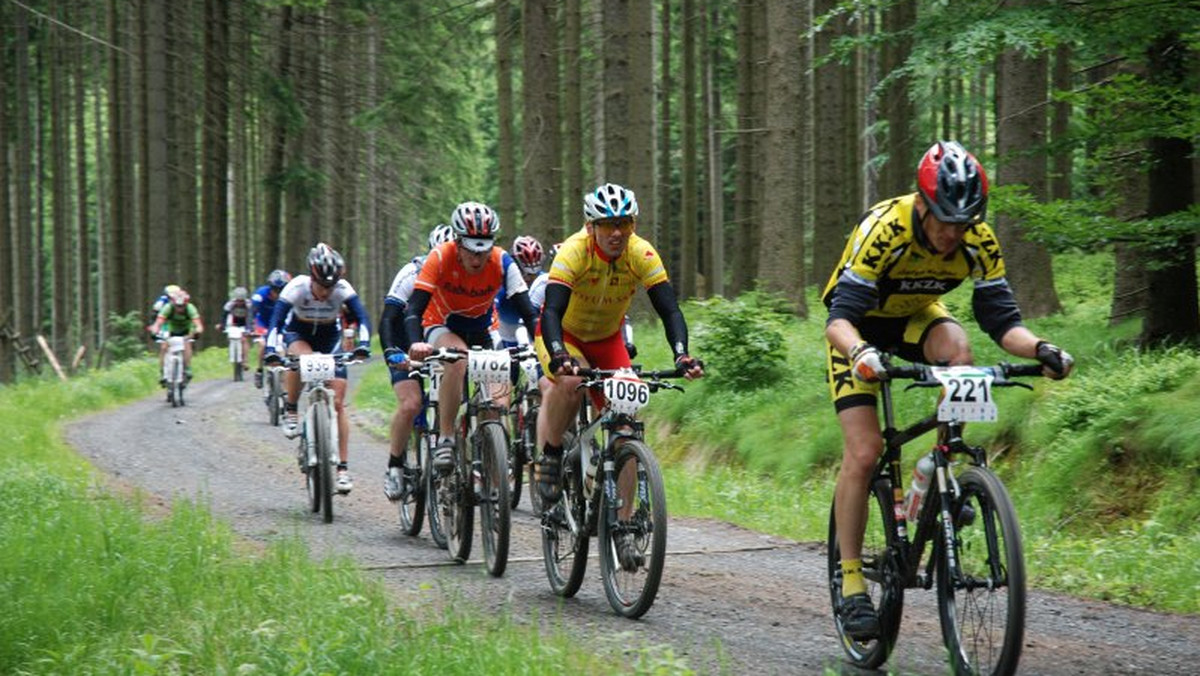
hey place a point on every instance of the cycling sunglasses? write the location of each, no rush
(623, 223)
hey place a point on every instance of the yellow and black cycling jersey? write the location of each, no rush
(888, 269)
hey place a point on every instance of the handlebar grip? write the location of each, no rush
(1023, 369)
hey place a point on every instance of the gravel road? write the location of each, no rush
(732, 600)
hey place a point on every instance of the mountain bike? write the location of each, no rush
(480, 472)
(237, 350)
(174, 370)
(966, 519)
(317, 452)
(522, 414)
(612, 489)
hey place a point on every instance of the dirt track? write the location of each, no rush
(732, 600)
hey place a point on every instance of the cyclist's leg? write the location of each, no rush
(338, 385)
(933, 336)
(295, 346)
(862, 441)
(408, 405)
(560, 398)
(451, 393)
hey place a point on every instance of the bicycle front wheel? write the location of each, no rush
(321, 418)
(565, 532)
(412, 497)
(633, 541)
(882, 572)
(495, 516)
(274, 397)
(433, 494)
(981, 588)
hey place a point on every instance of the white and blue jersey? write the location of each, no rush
(300, 316)
(512, 330)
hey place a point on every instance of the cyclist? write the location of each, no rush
(528, 254)
(163, 299)
(181, 318)
(409, 397)
(263, 304)
(904, 254)
(306, 319)
(592, 281)
(451, 306)
(236, 312)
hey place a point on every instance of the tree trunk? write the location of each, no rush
(542, 146)
(25, 288)
(1021, 88)
(8, 258)
(835, 124)
(215, 186)
(641, 167)
(506, 144)
(64, 297)
(664, 221)
(744, 211)
(713, 264)
(1060, 178)
(84, 254)
(573, 119)
(781, 268)
(278, 144)
(1173, 311)
(898, 176)
(686, 287)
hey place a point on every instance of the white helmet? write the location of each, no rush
(440, 234)
(609, 201)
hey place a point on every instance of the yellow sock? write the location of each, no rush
(853, 581)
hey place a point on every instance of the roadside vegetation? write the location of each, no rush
(90, 582)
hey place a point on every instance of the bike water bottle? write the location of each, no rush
(922, 473)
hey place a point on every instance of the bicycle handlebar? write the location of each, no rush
(1003, 373)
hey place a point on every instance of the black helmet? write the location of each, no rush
(952, 183)
(325, 265)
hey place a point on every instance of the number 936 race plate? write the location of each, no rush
(317, 367)
(626, 393)
(966, 394)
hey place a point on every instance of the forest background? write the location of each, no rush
(206, 142)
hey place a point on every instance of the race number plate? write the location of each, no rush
(317, 367)
(530, 367)
(966, 394)
(626, 393)
(176, 343)
(435, 381)
(488, 367)
(235, 332)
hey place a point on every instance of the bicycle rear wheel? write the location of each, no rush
(516, 454)
(495, 516)
(565, 532)
(634, 544)
(457, 508)
(412, 498)
(981, 593)
(884, 578)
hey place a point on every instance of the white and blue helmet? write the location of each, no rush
(609, 201)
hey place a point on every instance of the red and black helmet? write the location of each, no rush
(952, 183)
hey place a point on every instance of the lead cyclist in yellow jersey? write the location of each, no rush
(592, 280)
(885, 293)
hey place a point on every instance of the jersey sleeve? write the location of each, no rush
(431, 271)
(874, 244)
(647, 263)
(570, 262)
(514, 283)
(988, 262)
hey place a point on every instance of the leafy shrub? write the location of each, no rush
(742, 340)
(125, 336)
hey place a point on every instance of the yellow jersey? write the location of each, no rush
(601, 289)
(886, 255)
